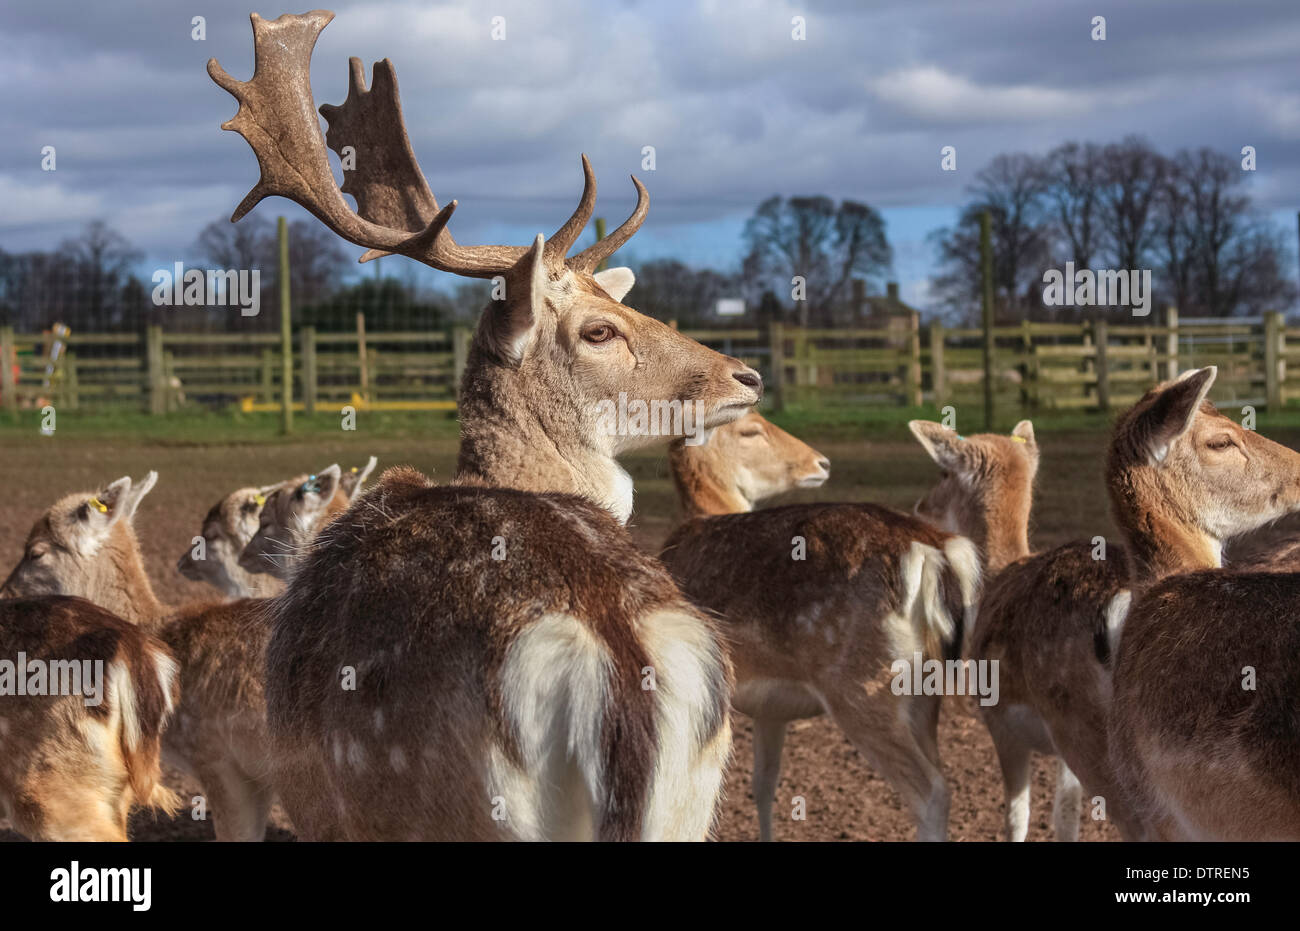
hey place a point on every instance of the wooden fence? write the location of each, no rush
(1036, 365)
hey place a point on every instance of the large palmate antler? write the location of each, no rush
(396, 211)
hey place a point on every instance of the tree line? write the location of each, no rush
(1187, 217)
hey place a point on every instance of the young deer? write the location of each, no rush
(293, 514)
(846, 590)
(1053, 620)
(227, 528)
(218, 732)
(1204, 738)
(72, 764)
(1042, 618)
(744, 462)
(472, 661)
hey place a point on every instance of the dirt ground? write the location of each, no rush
(845, 800)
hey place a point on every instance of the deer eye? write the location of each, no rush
(1222, 442)
(37, 553)
(600, 333)
(751, 433)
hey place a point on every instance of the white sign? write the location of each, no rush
(730, 306)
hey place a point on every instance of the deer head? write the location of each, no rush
(84, 545)
(1183, 478)
(742, 463)
(555, 346)
(292, 515)
(985, 488)
(226, 530)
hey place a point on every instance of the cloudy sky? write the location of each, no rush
(736, 109)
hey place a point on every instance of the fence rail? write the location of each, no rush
(1036, 366)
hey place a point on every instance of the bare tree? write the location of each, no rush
(1220, 257)
(1072, 183)
(1132, 176)
(812, 238)
(246, 245)
(99, 260)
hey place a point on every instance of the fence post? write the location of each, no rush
(800, 361)
(1171, 342)
(268, 375)
(1103, 366)
(913, 360)
(776, 357)
(8, 358)
(308, 335)
(286, 332)
(70, 395)
(1272, 384)
(154, 363)
(364, 371)
(938, 376)
(169, 394)
(459, 353)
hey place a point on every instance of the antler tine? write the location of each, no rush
(589, 258)
(278, 120)
(557, 247)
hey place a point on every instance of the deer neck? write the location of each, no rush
(1161, 544)
(1005, 537)
(701, 491)
(120, 584)
(531, 445)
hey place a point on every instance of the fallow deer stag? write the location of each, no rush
(1204, 735)
(73, 763)
(475, 662)
(817, 607)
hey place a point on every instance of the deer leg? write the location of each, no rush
(769, 738)
(1065, 807)
(903, 748)
(1013, 756)
(240, 805)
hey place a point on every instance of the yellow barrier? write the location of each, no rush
(250, 406)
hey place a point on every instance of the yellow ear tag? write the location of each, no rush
(260, 499)
(98, 505)
(354, 468)
(1020, 439)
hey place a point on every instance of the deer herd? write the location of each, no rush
(494, 658)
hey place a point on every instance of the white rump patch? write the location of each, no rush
(1116, 615)
(555, 682)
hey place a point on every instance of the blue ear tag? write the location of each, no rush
(311, 485)
(960, 437)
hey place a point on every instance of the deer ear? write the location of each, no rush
(327, 483)
(117, 501)
(616, 281)
(354, 478)
(943, 444)
(1175, 408)
(1024, 431)
(511, 323)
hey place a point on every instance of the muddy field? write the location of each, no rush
(845, 800)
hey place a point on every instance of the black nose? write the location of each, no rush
(825, 464)
(748, 378)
